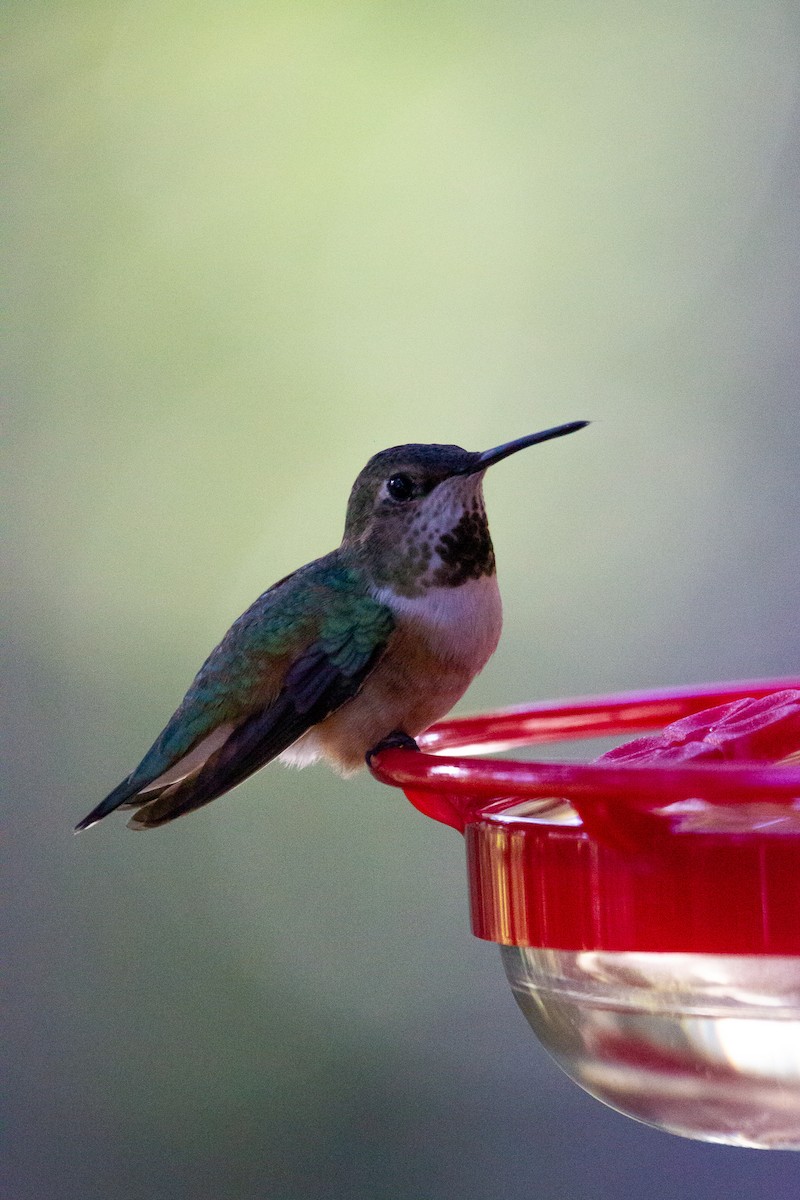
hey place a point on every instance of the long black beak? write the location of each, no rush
(489, 457)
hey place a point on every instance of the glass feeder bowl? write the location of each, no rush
(648, 915)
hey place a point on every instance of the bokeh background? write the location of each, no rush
(248, 245)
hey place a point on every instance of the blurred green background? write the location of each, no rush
(248, 245)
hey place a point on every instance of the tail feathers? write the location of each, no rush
(149, 781)
(157, 808)
(254, 742)
(121, 795)
(155, 805)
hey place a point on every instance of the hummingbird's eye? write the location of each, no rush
(400, 487)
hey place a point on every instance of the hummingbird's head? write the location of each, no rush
(417, 512)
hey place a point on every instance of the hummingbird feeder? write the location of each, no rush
(647, 905)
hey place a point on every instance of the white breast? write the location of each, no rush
(461, 623)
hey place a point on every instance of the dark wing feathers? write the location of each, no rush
(269, 695)
(314, 691)
(119, 797)
(252, 744)
(309, 678)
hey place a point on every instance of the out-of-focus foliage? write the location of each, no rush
(247, 245)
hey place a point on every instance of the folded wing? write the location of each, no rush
(301, 651)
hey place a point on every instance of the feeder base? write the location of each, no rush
(702, 1045)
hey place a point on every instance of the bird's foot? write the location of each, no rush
(396, 740)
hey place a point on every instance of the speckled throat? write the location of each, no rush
(465, 552)
(445, 543)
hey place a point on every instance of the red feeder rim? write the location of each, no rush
(664, 857)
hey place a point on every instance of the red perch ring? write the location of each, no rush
(688, 843)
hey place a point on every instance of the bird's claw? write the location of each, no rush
(396, 740)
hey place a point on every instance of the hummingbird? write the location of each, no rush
(358, 650)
